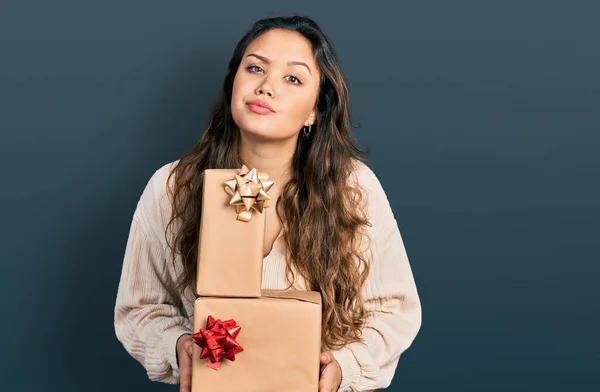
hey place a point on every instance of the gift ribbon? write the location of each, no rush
(217, 341)
(249, 191)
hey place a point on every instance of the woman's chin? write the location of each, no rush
(263, 129)
(258, 133)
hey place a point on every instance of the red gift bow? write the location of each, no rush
(217, 340)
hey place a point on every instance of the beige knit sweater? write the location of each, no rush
(149, 319)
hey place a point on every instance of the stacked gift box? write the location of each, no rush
(247, 339)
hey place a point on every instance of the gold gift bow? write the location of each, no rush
(248, 191)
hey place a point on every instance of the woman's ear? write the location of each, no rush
(312, 118)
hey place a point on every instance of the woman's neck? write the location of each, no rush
(273, 158)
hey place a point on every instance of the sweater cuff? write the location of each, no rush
(350, 368)
(169, 346)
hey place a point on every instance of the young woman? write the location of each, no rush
(284, 111)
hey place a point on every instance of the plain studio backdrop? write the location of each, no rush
(482, 121)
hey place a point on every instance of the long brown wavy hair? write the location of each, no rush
(324, 221)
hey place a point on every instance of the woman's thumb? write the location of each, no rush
(189, 349)
(325, 358)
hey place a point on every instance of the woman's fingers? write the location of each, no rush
(327, 380)
(331, 376)
(326, 386)
(185, 374)
(185, 363)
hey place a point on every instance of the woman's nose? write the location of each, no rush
(266, 88)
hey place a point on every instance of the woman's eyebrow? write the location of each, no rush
(266, 60)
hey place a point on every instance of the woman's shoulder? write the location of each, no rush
(377, 202)
(363, 176)
(161, 174)
(158, 180)
(154, 204)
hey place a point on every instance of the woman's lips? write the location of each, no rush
(259, 107)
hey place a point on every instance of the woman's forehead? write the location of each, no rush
(282, 45)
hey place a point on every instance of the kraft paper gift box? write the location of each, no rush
(230, 246)
(279, 333)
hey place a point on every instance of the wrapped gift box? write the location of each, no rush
(280, 335)
(230, 249)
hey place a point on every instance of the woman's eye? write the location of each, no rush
(294, 80)
(252, 67)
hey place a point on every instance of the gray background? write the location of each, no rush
(482, 122)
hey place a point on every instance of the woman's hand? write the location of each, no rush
(331, 373)
(184, 358)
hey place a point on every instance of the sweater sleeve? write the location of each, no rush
(391, 300)
(147, 316)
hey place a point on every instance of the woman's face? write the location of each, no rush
(277, 70)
